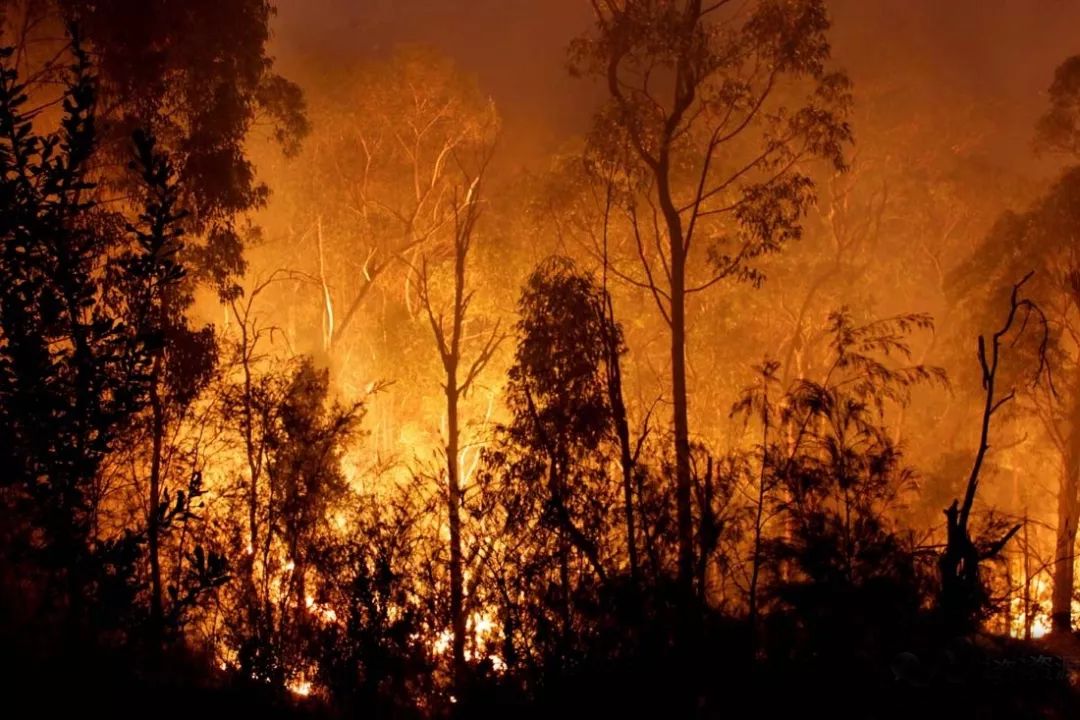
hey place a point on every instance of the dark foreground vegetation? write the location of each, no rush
(183, 528)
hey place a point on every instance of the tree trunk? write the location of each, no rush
(457, 593)
(1065, 547)
(759, 516)
(153, 529)
(680, 421)
(622, 431)
(449, 344)
(1027, 578)
(254, 470)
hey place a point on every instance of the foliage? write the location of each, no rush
(80, 335)
(550, 466)
(830, 474)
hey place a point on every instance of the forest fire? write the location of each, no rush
(1031, 621)
(585, 358)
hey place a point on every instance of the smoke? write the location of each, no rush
(998, 52)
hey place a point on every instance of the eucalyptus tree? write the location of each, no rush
(714, 109)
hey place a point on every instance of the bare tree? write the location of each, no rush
(460, 374)
(962, 593)
(376, 180)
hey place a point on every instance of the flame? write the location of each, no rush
(301, 688)
(322, 611)
(1039, 603)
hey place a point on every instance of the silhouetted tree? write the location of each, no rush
(182, 358)
(1041, 238)
(196, 75)
(698, 120)
(963, 596)
(298, 437)
(375, 658)
(828, 471)
(82, 323)
(306, 440)
(450, 338)
(552, 460)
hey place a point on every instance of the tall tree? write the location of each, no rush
(83, 329)
(1043, 234)
(195, 75)
(706, 117)
(1041, 238)
(553, 457)
(451, 335)
(72, 376)
(963, 596)
(181, 358)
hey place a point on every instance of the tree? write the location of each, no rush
(962, 595)
(72, 376)
(1041, 239)
(182, 358)
(827, 467)
(200, 98)
(290, 440)
(1059, 129)
(374, 658)
(307, 438)
(197, 77)
(83, 329)
(460, 376)
(1044, 234)
(552, 458)
(372, 189)
(699, 119)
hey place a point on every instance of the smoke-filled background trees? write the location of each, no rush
(592, 357)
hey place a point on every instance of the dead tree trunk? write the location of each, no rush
(963, 596)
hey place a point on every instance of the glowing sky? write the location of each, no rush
(1004, 51)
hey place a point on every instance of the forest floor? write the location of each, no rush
(1063, 647)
